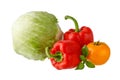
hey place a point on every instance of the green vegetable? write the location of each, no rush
(89, 64)
(33, 32)
(85, 50)
(80, 66)
(84, 60)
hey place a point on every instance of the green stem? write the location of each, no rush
(97, 43)
(75, 22)
(48, 53)
(57, 56)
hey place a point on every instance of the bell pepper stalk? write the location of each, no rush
(83, 36)
(58, 56)
(64, 54)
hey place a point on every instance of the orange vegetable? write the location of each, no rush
(99, 52)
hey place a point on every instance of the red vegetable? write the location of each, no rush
(65, 54)
(83, 36)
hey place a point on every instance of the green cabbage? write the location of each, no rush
(34, 31)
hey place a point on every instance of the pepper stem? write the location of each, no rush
(47, 52)
(57, 56)
(75, 22)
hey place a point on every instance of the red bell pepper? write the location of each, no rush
(84, 35)
(65, 54)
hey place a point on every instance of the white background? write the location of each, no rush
(102, 16)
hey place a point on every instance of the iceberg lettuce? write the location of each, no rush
(33, 31)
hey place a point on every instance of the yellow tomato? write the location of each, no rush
(99, 52)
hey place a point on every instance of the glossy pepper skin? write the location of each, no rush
(65, 54)
(83, 36)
